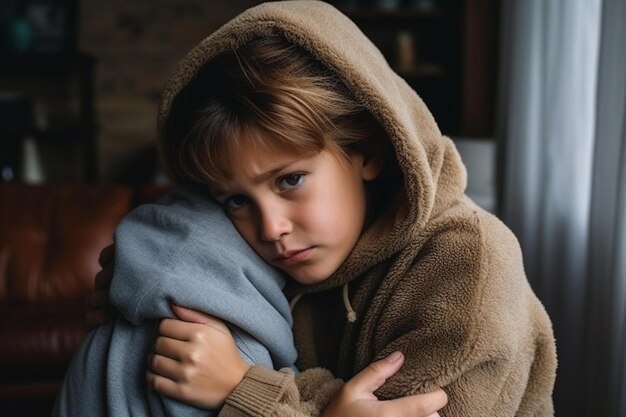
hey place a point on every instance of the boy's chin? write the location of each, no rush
(308, 277)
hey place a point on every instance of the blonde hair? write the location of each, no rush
(270, 94)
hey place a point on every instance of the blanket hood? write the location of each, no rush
(434, 176)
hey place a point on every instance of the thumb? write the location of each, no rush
(195, 316)
(374, 376)
(417, 405)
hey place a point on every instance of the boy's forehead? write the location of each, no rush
(261, 164)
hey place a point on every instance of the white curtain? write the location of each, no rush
(563, 191)
(606, 333)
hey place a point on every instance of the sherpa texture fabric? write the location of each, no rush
(183, 250)
(436, 277)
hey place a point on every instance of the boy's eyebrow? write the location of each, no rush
(272, 172)
(259, 178)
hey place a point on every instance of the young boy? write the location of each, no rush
(334, 171)
(181, 250)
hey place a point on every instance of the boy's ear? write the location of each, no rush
(371, 165)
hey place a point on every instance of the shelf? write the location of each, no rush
(73, 133)
(423, 71)
(399, 13)
(423, 43)
(59, 90)
(68, 134)
(43, 63)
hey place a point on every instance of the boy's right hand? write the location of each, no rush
(357, 398)
(100, 309)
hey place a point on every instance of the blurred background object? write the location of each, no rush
(16, 123)
(479, 157)
(41, 64)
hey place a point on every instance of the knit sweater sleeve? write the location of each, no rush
(265, 392)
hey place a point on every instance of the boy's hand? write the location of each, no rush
(356, 397)
(196, 360)
(100, 309)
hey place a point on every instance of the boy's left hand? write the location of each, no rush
(195, 360)
(100, 309)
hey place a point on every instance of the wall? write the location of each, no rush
(136, 45)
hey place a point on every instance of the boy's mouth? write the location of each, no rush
(293, 257)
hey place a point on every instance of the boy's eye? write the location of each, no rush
(236, 202)
(291, 181)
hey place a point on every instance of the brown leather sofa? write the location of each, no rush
(50, 240)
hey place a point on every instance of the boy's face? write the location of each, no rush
(301, 214)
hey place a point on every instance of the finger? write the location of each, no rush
(103, 278)
(190, 315)
(170, 348)
(182, 330)
(422, 405)
(106, 255)
(188, 331)
(177, 329)
(371, 378)
(162, 384)
(195, 316)
(165, 367)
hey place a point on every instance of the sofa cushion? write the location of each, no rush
(51, 236)
(37, 340)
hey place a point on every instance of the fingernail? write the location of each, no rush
(394, 357)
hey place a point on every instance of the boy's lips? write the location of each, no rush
(293, 257)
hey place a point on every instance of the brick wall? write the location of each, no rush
(136, 45)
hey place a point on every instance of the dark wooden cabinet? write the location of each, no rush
(445, 49)
(58, 88)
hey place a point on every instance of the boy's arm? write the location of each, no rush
(195, 361)
(265, 392)
(467, 320)
(314, 392)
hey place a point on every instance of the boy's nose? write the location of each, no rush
(273, 225)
